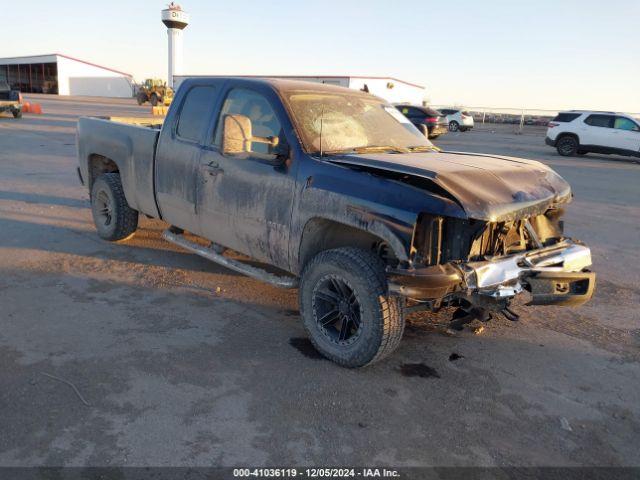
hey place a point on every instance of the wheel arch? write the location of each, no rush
(97, 165)
(568, 134)
(320, 234)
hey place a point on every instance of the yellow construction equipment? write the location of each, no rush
(154, 91)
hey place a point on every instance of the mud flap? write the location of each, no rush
(561, 288)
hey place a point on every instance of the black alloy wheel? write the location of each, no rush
(336, 310)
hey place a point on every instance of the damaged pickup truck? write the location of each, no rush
(336, 193)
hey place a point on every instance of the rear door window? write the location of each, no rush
(566, 117)
(411, 112)
(195, 113)
(605, 121)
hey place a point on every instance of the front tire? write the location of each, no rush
(567, 146)
(454, 126)
(17, 113)
(346, 308)
(112, 215)
(153, 100)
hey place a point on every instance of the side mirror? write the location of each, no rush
(237, 136)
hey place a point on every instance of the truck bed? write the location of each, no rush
(131, 144)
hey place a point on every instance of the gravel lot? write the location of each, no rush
(177, 361)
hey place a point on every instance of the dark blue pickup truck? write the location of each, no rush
(339, 195)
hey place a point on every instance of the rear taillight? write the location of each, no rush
(19, 97)
(552, 124)
(431, 119)
(463, 115)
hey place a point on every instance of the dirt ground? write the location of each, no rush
(172, 360)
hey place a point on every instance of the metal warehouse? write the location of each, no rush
(60, 74)
(391, 89)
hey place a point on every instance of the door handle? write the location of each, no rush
(212, 169)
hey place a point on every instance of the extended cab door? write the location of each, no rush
(245, 199)
(177, 157)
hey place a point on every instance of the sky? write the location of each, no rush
(537, 54)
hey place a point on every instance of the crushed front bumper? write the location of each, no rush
(555, 275)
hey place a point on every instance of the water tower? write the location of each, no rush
(176, 20)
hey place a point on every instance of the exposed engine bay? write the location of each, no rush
(481, 266)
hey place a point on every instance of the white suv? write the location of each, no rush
(458, 119)
(580, 132)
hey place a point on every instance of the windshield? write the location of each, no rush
(351, 123)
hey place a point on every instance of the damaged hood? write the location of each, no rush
(487, 187)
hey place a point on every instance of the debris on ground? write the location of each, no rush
(70, 384)
(455, 356)
(564, 423)
(478, 330)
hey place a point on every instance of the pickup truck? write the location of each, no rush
(10, 100)
(336, 193)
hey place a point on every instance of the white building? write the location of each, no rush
(389, 88)
(63, 75)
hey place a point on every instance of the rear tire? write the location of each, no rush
(112, 215)
(567, 146)
(454, 126)
(17, 113)
(346, 308)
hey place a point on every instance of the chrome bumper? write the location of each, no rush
(554, 275)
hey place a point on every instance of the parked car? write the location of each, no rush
(429, 121)
(10, 100)
(345, 198)
(580, 132)
(458, 119)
